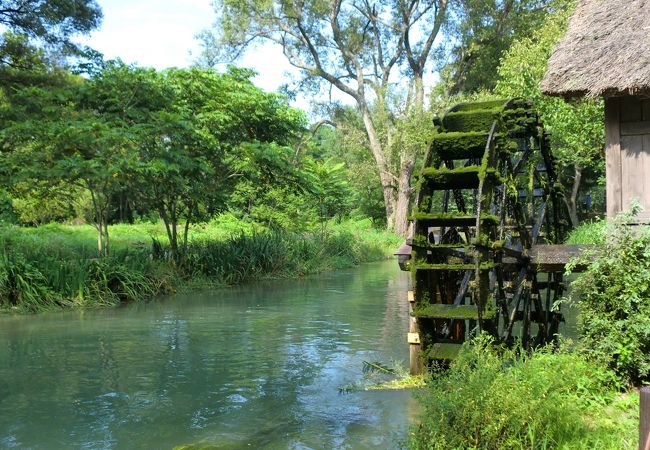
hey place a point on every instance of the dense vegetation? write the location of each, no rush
(496, 398)
(614, 300)
(56, 265)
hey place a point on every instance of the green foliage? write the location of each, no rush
(484, 31)
(347, 144)
(494, 398)
(577, 131)
(7, 211)
(172, 142)
(23, 286)
(593, 232)
(614, 300)
(271, 190)
(51, 21)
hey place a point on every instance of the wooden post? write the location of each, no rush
(613, 157)
(644, 419)
(415, 362)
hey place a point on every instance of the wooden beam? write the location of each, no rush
(414, 338)
(613, 156)
(554, 257)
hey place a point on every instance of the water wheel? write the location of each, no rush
(487, 195)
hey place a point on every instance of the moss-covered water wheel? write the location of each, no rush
(486, 196)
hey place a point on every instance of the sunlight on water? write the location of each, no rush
(257, 366)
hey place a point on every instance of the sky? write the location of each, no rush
(160, 34)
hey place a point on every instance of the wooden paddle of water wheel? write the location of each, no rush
(487, 198)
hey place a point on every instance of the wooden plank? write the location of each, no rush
(633, 128)
(644, 216)
(554, 257)
(631, 109)
(646, 109)
(613, 156)
(414, 338)
(416, 365)
(632, 171)
(635, 170)
(644, 418)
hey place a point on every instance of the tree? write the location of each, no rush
(482, 31)
(356, 46)
(58, 141)
(576, 128)
(225, 116)
(168, 139)
(50, 22)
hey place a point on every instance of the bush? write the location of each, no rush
(614, 300)
(497, 399)
(593, 232)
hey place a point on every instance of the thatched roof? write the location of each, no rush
(606, 51)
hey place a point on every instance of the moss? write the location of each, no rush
(455, 145)
(442, 311)
(461, 178)
(490, 104)
(452, 267)
(443, 351)
(423, 242)
(407, 382)
(475, 120)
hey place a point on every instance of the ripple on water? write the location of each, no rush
(256, 366)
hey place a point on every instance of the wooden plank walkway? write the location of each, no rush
(554, 258)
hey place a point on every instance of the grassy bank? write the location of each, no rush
(56, 266)
(492, 398)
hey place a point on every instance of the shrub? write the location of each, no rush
(498, 399)
(23, 286)
(593, 232)
(614, 300)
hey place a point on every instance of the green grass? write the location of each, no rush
(56, 266)
(593, 232)
(497, 399)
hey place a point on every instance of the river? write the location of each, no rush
(254, 366)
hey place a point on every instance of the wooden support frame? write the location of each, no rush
(613, 172)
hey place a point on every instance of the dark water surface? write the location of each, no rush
(256, 366)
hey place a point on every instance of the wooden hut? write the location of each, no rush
(606, 52)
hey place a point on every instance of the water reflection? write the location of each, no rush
(250, 367)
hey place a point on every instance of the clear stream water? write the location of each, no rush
(256, 366)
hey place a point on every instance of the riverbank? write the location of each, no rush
(56, 266)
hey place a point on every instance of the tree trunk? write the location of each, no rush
(105, 220)
(101, 224)
(385, 177)
(188, 220)
(418, 84)
(404, 195)
(573, 200)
